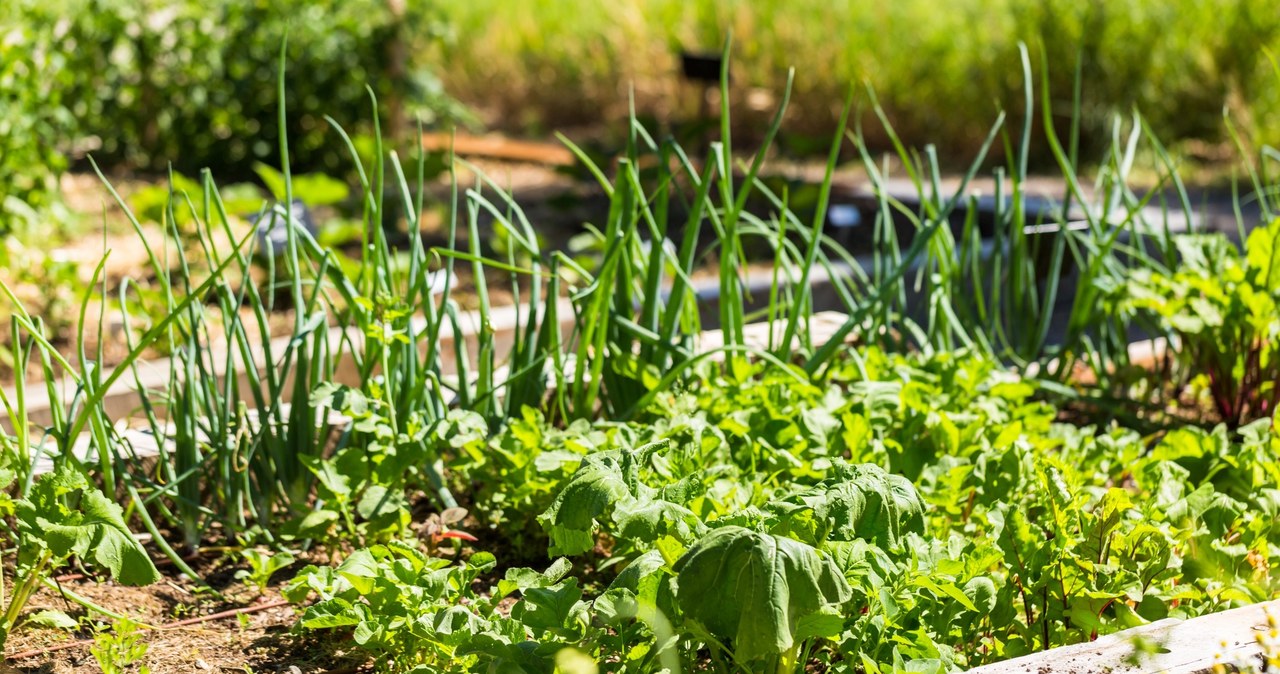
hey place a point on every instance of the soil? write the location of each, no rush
(252, 634)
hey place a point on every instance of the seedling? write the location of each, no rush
(262, 566)
(119, 647)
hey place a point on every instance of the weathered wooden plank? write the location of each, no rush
(1191, 646)
(822, 327)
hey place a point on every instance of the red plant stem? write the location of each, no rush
(1251, 363)
(1220, 397)
(226, 614)
(181, 623)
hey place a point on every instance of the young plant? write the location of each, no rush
(119, 647)
(411, 612)
(262, 566)
(1223, 310)
(61, 517)
(440, 527)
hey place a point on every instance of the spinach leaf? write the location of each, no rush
(756, 589)
(857, 502)
(93, 529)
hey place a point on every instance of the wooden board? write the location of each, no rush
(1178, 647)
(499, 147)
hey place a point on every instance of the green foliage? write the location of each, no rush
(361, 486)
(63, 516)
(314, 189)
(33, 124)
(942, 75)
(412, 612)
(856, 502)
(610, 482)
(760, 591)
(262, 566)
(1015, 534)
(1224, 309)
(192, 82)
(516, 475)
(118, 648)
(51, 286)
(907, 505)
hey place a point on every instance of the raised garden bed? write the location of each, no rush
(591, 481)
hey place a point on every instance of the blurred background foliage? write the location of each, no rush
(942, 70)
(148, 82)
(142, 83)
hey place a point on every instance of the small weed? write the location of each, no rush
(262, 566)
(118, 648)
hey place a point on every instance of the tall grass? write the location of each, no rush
(545, 64)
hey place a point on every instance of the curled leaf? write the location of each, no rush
(756, 590)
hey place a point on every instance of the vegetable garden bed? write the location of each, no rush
(930, 480)
(571, 505)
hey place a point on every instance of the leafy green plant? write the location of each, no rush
(1223, 308)
(366, 477)
(412, 612)
(119, 647)
(609, 482)
(1014, 538)
(907, 505)
(262, 566)
(209, 67)
(34, 119)
(60, 517)
(765, 594)
(855, 502)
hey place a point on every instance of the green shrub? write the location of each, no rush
(153, 81)
(32, 119)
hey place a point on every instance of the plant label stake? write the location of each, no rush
(703, 69)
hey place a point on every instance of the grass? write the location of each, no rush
(545, 65)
